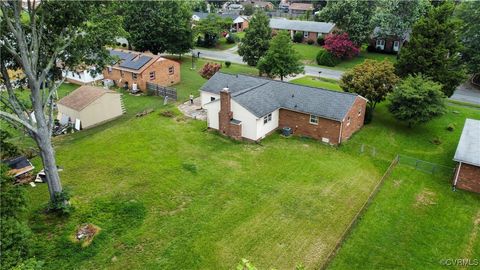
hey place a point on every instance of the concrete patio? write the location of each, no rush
(194, 110)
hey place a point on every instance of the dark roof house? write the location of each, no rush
(259, 97)
(304, 26)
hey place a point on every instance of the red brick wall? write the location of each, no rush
(225, 115)
(357, 117)
(162, 76)
(469, 178)
(300, 125)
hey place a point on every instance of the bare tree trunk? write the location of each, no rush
(49, 164)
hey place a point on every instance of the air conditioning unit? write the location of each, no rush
(107, 83)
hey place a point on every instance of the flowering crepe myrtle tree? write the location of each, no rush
(41, 38)
(340, 45)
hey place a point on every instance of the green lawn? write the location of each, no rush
(169, 195)
(320, 82)
(308, 54)
(415, 221)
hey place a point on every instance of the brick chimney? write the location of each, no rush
(225, 114)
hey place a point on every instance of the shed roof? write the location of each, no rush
(83, 96)
(308, 26)
(468, 148)
(261, 96)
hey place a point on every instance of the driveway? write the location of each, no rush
(465, 92)
(229, 55)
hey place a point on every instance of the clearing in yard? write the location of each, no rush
(308, 54)
(169, 195)
(415, 222)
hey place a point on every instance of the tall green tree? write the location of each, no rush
(351, 16)
(416, 100)
(257, 37)
(38, 40)
(211, 27)
(434, 49)
(281, 58)
(396, 17)
(159, 26)
(469, 13)
(371, 79)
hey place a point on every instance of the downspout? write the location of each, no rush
(341, 131)
(456, 175)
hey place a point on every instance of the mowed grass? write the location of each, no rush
(415, 222)
(319, 82)
(308, 54)
(169, 195)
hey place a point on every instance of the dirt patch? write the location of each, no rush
(85, 234)
(425, 198)
(178, 209)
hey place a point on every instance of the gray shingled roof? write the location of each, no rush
(468, 149)
(262, 96)
(204, 15)
(306, 26)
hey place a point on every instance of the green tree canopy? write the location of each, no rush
(416, 100)
(351, 16)
(257, 38)
(372, 80)
(159, 26)
(211, 27)
(281, 58)
(434, 49)
(469, 12)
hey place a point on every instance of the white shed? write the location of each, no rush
(91, 106)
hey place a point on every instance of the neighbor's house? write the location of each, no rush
(247, 107)
(89, 106)
(134, 70)
(300, 8)
(83, 76)
(310, 30)
(241, 23)
(259, 4)
(383, 42)
(467, 173)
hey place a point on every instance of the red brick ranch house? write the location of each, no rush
(310, 30)
(247, 107)
(467, 173)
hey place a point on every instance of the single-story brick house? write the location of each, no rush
(248, 107)
(467, 173)
(300, 8)
(387, 43)
(134, 69)
(310, 30)
(241, 23)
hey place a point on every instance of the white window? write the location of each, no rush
(313, 119)
(171, 70)
(134, 76)
(396, 45)
(348, 121)
(305, 34)
(152, 75)
(267, 118)
(359, 112)
(380, 42)
(121, 73)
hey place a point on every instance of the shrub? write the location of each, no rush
(341, 46)
(200, 41)
(298, 37)
(60, 203)
(228, 64)
(231, 38)
(368, 115)
(209, 69)
(7, 149)
(118, 44)
(310, 41)
(124, 45)
(325, 58)
(320, 40)
(371, 48)
(451, 127)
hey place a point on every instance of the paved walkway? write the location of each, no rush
(465, 92)
(194, 110)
